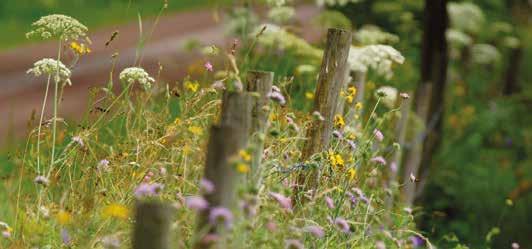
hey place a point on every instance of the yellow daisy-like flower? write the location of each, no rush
(80, 48)
(191, 86)
(339, 122)
(352, 173)
(358, 105)
(336, 160)
(116, 211)
(273, 117)
(242, 168)
(196, 130)
(309, 95)
(245, 155)
(351, 91)
(63, 217)
(349, 99)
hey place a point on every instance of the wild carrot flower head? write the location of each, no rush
(58, 26)
(283, 201)
(196, 202)
(51, 67)
(317, 231)
(221, 215)
(136, 74)
(377, 57)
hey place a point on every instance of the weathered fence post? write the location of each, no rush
(261, 83)
(225, 141)
(330, 81)
(152, 226)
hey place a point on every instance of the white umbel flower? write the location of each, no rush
(389, 95)
(485, 54)
(377, 57)
(335, 2)
(58, 26)
(466, 16)
(136, 74)
(51, 67)
(370, 35)
(273, 35)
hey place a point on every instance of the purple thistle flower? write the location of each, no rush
(342, 225)
(271, 226)
(378, 135)
(337, 134)
(103, 165)
(277, 97)
(283, 201)
(515, 245)
(146, 189)
(329, 201)
(294, 244)
(352, 144)
(379, 160)
(416, 241)
(42, 180)
(65, 236)
(275, 88)
(352, 198)
(221, 214)
(196, 202)
(78, 140)
(208, 66)
(317, 231)
(6, 234)
(206, 186)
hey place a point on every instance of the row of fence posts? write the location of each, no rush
(243, 123)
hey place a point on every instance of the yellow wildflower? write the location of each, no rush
(196, 130)
(336, 160)
(349, 99)
(352, 173)
(242, 168)
(177, 121)
(116, 211)
(187, 149)
(245, 155)
(309, 95)
(358, 105)
(351, 91)
(191, 86)
(80, 49)
(273, 117)
(339, 122)
(63, 217)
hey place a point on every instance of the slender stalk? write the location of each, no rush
(40, 125)
(56, 88)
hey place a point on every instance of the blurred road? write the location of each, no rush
(21, 93)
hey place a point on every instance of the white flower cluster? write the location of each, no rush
(377, 57)
(276, 3)
(336, 2)
(273, 35)
(465, 16)
(485, 54)
(458, 38)
(281, 14)
(51, 67)
(390, 95)
(58, 26)
(370, 35)
(136, 74)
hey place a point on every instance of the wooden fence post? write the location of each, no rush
(225, 141)
(152, 226)
(330, 81)
(261, 83)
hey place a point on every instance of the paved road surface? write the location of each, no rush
(20, 93)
